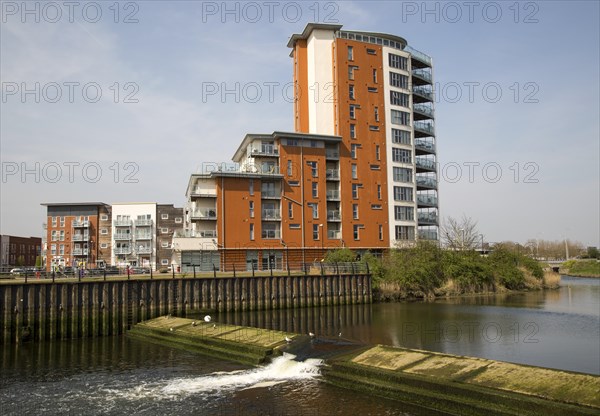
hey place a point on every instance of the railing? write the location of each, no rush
(144, 250)
(81, 223)
(426, 182)
(332, 154)
(419, 55)
(143, 222)
(144, 236)
(80, 252)
(270, 234)
(204, 214)
(122, 250)
(122, 223)
(333, 216)
(265, 150)
(426, 127)
(269, 194)
(423, 74)
(333, 195)
(427, 217)
(425, 163)
(428, 235)
(195, 234)
(334, 234)
(119, 236)
(423, 109)
(204, 193)
(427, 200)
(80, 237)
(425, 145)
(271, 214)
(423, 92)
(332, 174)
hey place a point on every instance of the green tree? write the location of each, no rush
(417, 268)
(593, 253)
(21, 261)
(340, 255)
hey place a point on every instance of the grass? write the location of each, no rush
(584, 268)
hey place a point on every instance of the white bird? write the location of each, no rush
(214, 326)
(340, 334)
(194, 323)
(311, 334)
(207, 318)
(171, 329)
(288, 339)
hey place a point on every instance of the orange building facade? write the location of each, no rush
(358, 172)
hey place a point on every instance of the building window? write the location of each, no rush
(164, 216)
(104, 231)
(251, 207)
(376, 206)
(294, 183)
(164, 244)
(353, 131)
(400, 136)
(398, 80)
(405, 233)
(54, 235)
(354, 191)
(289, 168)
(251, 231)
(351, 69)
(350, 53)
(54, 221)
(290, 209)
(404, 213)
(314, 171)
(251, 186)
(351, 92)
(164, 230)
(355, 211)
(104, 245)
(294, 226)
(53, 249)
(103, 217)
(400, 117)
(61, 250)
(293, 142)
(178, 220)
(402, 174)
(380, 232)
(352, 111)
(398, 62)
(377, 152)
(401, 155)
(315, 190)
(371, 51)
(399, 98)
(315, 209)
(374, 75)
(354, 171)
(164, 262)
(62, 221)
(356, 234)
(316, 231)
(353, 151)
(62, 235)
(403, 193)
(374, 128)
(378, 191)
(376, 110)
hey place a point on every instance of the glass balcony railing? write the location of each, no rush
(264, 150)
(81, 237)
(429, 200)
(333, 195)
(425, 163)
(207, 193)
(204, 214)
(195, 234)
(80, 224)
(426, 182)
(123, 222)
(270, 194)
(122, 236)
(122, 250)
(332, 174)
(428, 235)
(423, 74)
(424, 109)
(143, 222)
(427, 218)
(144, 250)
(332, 154)
(418, 55)
(334, 234)
(425, 145)
(270, 234)
(271, 214)
(426, 127)
(143, 236)
(333, 216)
(80, 251)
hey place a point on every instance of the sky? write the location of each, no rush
(121, 102)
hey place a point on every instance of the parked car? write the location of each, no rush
(17, 271)
(111, 270)
(139, 270)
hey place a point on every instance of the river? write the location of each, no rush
(117, 375)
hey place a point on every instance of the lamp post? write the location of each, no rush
(462, 243)
(321, 235)
(481, 235)
(287, 255)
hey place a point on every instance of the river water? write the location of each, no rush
(558, 329)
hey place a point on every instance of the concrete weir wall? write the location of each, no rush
(45, 310)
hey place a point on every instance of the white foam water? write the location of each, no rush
(280, 370)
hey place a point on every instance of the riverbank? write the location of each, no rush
(581, 268)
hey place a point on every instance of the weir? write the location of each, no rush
(44, 310)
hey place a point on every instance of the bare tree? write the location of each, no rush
(460, 234)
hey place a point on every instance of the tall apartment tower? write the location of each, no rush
(358, 172)
(376, 93)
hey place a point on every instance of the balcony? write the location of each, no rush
(271, 215)
(332, 175)
(418, 58)
(425, 182)
(427, 218)
(332, 154)
(333, 195)
(204, 214)
(425, 164)
(334, 234)
(422, 94)
(265, 150)
(423, 111)
(195, 234)
(425, 128)
(424, 147)
(270, 195)
(122, 236)
(334, 216)
(80, 237)
(430, 235)
(143, 222)
(80, 251)
(81, 224)
(122, 250)
(422, 76)
(144, 250)
(270, 234)
(143, 236)
(122, 222)
(426, 200)
(204, 193)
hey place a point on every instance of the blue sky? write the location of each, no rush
(529, 130)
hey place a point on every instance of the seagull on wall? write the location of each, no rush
(207, 318)
(311, 334)
(194, 323)
(288, 339)
(171, 329)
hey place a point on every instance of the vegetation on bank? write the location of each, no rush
(584, 268)
(427, 270)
